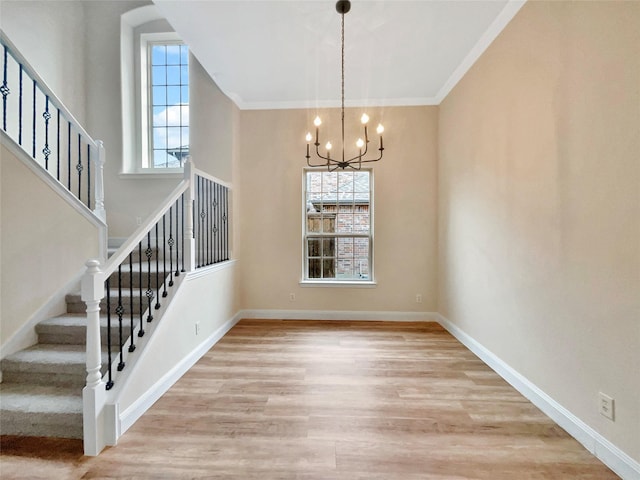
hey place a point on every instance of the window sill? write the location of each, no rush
(339, 283)
(150, 175)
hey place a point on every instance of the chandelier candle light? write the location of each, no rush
(342, 7)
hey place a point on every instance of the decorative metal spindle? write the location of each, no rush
(33, 123)
(201, 214)
(68, 155)
(157, 271)
(182, 231)
(4, 89)
(132, 346)
(141, 313)
(109, 383)
(209, 222)
(119, 312)
(216, 222)
(45, 150)
(220, 225)
(171, 242)
(164, 256)
(79, 166)
(89, 176)
(226, 223)
(58, 147)
(149, 253)
(177, 240)
(20, 101)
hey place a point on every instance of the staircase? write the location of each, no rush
(41, 391)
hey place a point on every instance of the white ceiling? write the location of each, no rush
(286, 54)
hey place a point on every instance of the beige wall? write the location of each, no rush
(539, 206)
(55, 235)
(270, 173)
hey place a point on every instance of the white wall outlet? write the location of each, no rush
(418, 298)
(292, 297)
(606, 406)
(197, 328)
(138, 220)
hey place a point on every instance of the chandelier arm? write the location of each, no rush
(374, 159)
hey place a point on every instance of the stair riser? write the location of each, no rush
(72, 335)
(135, 279)
(78, 306)
(51, 425)
(61, 379)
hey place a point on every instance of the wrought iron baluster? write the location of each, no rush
(132, 346)
(164, 256)
(109, 383)
(182, 231)
(79, 166)
(33, 142)
(209, 222)
(177, 240)
(20, 101)
(58, 147)
(218, 223)
(45, 150)
(68, 155)
(149, 253)
(4, 89)
(141, 313)
(89, 176)
(119, 312)
(171, 242)
(200, 220)
(226, 223)
(157, 271)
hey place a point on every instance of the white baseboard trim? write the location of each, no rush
(618, 461)
(348, 315)
(142, 404)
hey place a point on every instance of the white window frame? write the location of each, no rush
(336, 282)
(146, 41)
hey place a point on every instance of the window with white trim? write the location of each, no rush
(165, 102)
(338, 230)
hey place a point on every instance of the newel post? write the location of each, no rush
(94, 393)
(189, 237)
(99, 183)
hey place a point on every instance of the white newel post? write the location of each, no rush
(94, 393)
(99, 183)
(189, 240)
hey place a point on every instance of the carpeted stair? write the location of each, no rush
(41, 390)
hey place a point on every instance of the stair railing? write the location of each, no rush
(188, 231)
(35, 118)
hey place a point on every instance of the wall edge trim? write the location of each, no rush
(605, 451)
(347, 315)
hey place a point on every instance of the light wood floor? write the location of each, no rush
(327, 400)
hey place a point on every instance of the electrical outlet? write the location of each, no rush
(197, 328)
(138, 220)
(292, 297)
(418, 298)
(606, 406)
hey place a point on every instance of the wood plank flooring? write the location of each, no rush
(327, 400)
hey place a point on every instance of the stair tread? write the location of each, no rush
(19, 397)
(48, 355)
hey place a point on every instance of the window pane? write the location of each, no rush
(158, 55)
(184, 54)
(160, 138)
(173, 137)
(328, 268)
(361, 222)
(173, 75)
(313, 247)
(159, 95)
(361, 181)
(184, 74)
(184, 94)
(329, 247)
(314, 268)
(159, 116)
(159, 76)
(173, 54)
(173, 95)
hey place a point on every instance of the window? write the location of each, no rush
(338, 231)
(165, 116)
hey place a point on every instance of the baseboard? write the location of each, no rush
(140, 406)
(618, 461)
(348, 315)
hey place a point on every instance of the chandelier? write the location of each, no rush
(342, 7)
